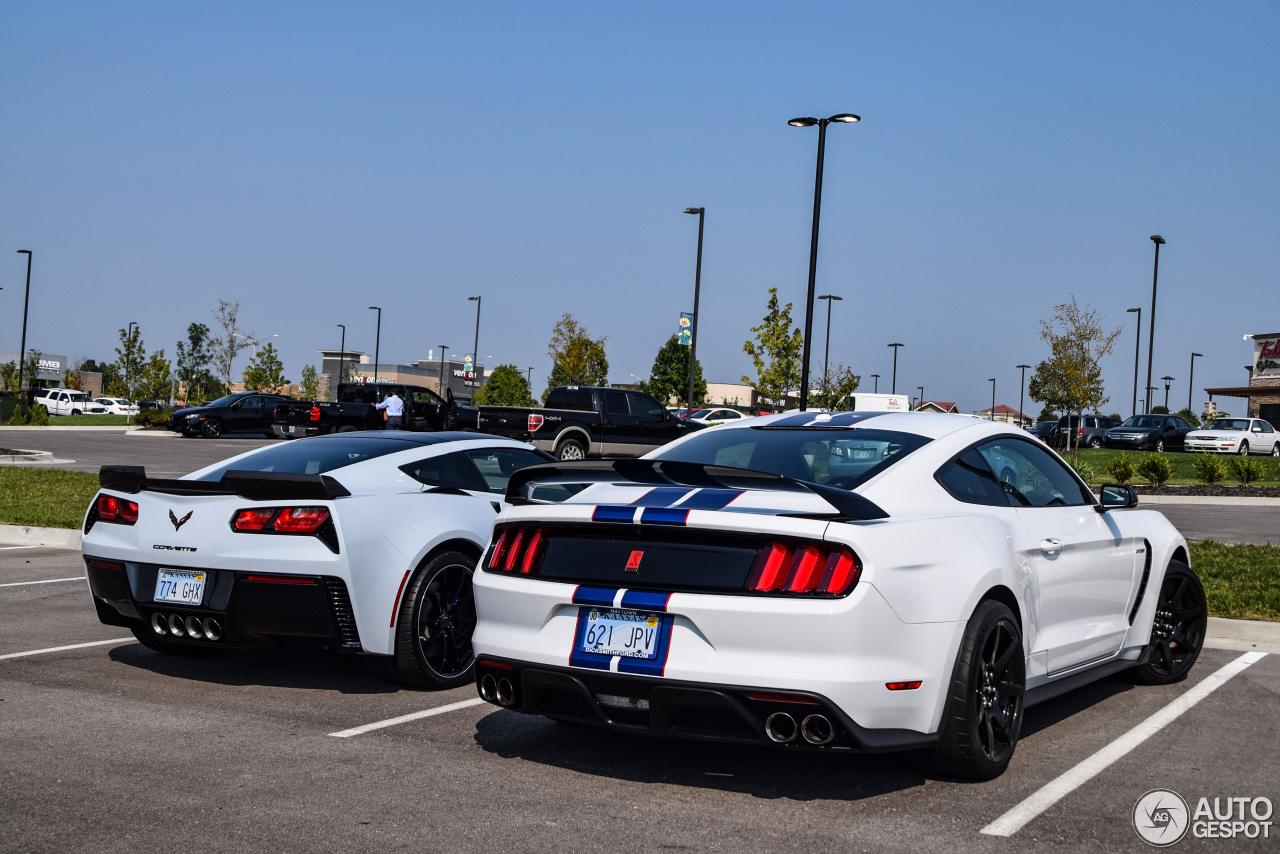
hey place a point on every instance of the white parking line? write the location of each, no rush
(61, 648)
(46, 581)
(404, 719)
(1058, 788)
(13, 548)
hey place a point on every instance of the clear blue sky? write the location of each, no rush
(311, 159)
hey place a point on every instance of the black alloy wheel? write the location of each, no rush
(434, 625)
(211, 428)
(985, 702)
(1178, 631)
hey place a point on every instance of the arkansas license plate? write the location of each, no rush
(184, 586)
(617, 631)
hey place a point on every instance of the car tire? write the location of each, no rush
(1275, 450)
(985, 701)
(76, 412)
(1179, 628)
(433, 627)
(154, 642)
(1159, 446)
(1095, 442)
(1244, 448)
(211, 428)
(571, 450)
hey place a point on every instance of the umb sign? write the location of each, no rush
(685, 335)
(1266, 355)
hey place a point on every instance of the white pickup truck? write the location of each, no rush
(62, 401)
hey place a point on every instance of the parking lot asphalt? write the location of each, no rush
(164, 454)
(125, 749)
(1225, 524)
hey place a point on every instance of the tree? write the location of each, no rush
(1189, 416)
(834, 388)
(130, 357)
(776, 353)
(265, 372)
(1047, 414)
(193, 366)
(30, 369)
(155, 380)
(310, 383)
(224, 349)
(576, 358)
(1071, 379)
(669, 376)
(506, 386)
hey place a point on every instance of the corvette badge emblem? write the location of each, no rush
(178, 523)
(633, 562)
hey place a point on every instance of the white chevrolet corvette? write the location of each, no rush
(363, 542)
(845, 581)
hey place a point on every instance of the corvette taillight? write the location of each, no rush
(253, 520)
(804, 568)
(517, 550)
(117, 510)
(284, 520)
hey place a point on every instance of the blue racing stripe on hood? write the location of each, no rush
(662, 496)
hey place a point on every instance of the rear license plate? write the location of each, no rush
(185, 586)
(617, 631)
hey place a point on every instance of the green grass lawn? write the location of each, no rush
(1183, 473)
(1240, 581)
(48, 498)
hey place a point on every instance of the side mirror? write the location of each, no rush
(1116, 496)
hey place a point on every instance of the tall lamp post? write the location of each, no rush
(893, 386)
(826, 352)
(443, 347)
(876, 388)
(377, 344)
(475, 346)
(1191, 382)
(128, 380)
(22, 351)
(1151, 321)
(992, 412)
(697, 289)
(1167, 380)
(342, 352)
(1022, 388)
(806, 122)
(1137, 353)
(529, 380)
(921, 388)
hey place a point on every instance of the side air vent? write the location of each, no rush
(1142, 585)
(343, 617)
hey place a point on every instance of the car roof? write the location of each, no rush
(415, 438)
(930, 424)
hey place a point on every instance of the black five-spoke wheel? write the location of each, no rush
(433, 626)
(1178, 630)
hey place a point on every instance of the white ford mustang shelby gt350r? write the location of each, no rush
(363, 542)
(847, 581)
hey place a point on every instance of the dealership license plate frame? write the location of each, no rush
(175, 577)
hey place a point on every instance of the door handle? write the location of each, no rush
(1050, 545)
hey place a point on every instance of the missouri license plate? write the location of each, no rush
(184, 586)
(617, 631)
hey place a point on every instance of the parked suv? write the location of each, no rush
(62, 401)
(1090, 434)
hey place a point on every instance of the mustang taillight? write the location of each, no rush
(315, 413)
(804, 568)
(517, 550)
(285, 520)
(117, 510)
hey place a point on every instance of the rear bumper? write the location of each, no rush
(677, 709)
(293, 431)
(252, 613)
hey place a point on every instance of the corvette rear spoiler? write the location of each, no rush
(253, 485)
(845, 505)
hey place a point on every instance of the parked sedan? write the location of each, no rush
(716, 416)
(1235, 436)
(1149, 433)
(245, 412)
(117, 405)
(1044, 430)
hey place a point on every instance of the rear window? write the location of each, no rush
(313, 456)
(571, 398)
(835, 457)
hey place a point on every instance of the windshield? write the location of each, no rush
(1150, 422)
(313, 456)
(1228, 424)
(837, 457)
(222, 401)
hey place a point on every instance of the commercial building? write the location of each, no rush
(52, 369)
(1263, 390)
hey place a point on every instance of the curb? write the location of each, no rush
(1245, 635)
(29, 535)
(71, 428)
(30, 457)
(1223, 500)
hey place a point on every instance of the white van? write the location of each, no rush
(859, 402)
(62, 401)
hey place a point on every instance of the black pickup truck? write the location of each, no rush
(586, 421)
(354, 409)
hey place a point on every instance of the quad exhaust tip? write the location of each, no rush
(177, 627)
(781, 728)
(506, 692)
(192, 627)
(195, 630)
(158, 625)
(816, 729)
(212, 629)
(489, 688)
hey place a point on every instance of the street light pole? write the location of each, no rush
(342, 352)
(697, 289)
(128, 384)
(1022, 388)
(529, 380)
(443, 347)
(1167, 380)
(804, 122)
(1151, 322)
(826, 352)
(1191, 382)
(475, 347)
(876, 388)
(377, 343)
(1137, 352)
(893, 389)
(22, 351)
(921, 395)
(992, 411)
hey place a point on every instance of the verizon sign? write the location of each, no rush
(1266, 355)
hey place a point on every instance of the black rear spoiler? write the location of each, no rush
(846, 505)
(253, 485)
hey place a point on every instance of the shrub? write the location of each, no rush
(1155, 469)
(1209, 468)
(1082, 468)
(1121, 469)
(39, 416)
(1248, 470)
(153, 419)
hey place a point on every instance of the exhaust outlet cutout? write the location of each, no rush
(489, 688)
(781, 727)
(506, 692)
(195, 631)
(157, 624)
(212, 629)
(176, 626)
(816, 729)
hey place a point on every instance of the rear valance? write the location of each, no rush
(845, 505)
(253, 485)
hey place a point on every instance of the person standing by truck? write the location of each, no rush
(394, 407)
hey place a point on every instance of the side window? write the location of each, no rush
(1266, 428)
(425, 398)
(579, 399)
(1031, 476)
(253, 402)
(555, 400)
(451, 470)
(969, 479)
(497, 464)
(615, 403)
(642, 404)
